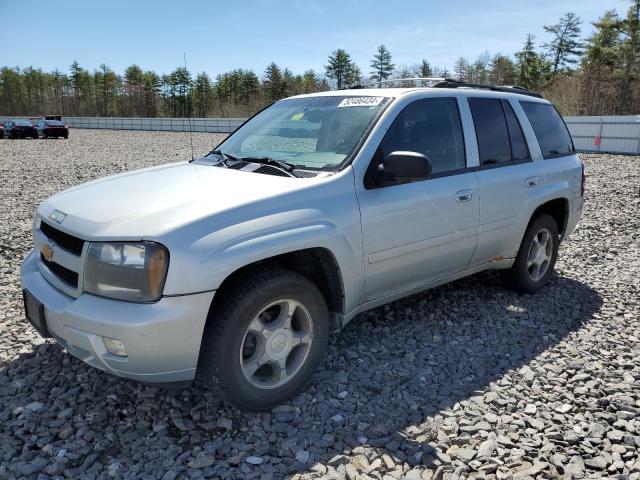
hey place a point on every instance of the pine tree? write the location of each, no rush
(273, 83)
(151, 86)
(381, 65)
(565, 46)
(502, 70)
(480, 68)
(133, 101)
(107, 83)
(461, 69)
(201, 94)
(532, 68)
(182, 81)
(630, 55)
(340, 68)
(425, 69)
(602, 48)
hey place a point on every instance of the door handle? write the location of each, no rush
(532, 181)
(464, 196)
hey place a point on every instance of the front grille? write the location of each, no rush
(269, 170)
(67, 276)
(64, 240)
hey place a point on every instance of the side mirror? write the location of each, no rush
(406, 167)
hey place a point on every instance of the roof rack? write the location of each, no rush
(448, 83)
(432, 80)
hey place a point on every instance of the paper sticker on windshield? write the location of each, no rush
(361, 101)
(297, 116)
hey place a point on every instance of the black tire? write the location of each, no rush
(66, 136)
(519, 277)
(222, 343)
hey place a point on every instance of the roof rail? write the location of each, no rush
(431, 80)
(448, 83)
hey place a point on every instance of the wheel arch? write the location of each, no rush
(558, 209)
(318, 264)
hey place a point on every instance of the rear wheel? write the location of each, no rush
(536, 258)
(265, 339)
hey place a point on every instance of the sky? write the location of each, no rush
(218, 36)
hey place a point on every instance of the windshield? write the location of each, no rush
(54, 123)
(314, 132)
(22, 123)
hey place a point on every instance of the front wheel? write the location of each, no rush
(266, 338)
(536, 258)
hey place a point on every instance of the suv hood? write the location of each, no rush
(150, 202)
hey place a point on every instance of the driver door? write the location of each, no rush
(418, 232)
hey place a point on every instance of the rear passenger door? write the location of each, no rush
(507, 177)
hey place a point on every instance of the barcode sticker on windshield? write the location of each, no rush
(360, 101)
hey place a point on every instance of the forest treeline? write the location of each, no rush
(596, 75)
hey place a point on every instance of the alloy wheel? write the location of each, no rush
(540, 254)
(276, 344)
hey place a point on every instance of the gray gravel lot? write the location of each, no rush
(464, 381)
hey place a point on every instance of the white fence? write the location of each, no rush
(608, 134)
(211, 125)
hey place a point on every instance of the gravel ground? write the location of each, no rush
(464, 381)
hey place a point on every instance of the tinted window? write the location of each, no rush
(431, 127)
(519, 150)
(23, 123)
(491, 130)
(552, 133)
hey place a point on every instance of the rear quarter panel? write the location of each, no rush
(562, 176)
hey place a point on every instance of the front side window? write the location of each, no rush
(313, 132)
(550, 130)
(431, 127)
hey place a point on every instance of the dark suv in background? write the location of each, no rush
(19, 129)
(52, 128)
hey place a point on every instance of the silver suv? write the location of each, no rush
(236, 265)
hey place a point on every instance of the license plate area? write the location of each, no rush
(34, 311)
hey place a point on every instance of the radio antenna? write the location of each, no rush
(188, 109)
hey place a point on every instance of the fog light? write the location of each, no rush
(115, 347)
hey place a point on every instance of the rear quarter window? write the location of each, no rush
(550, 129)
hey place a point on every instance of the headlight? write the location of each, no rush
(132, 271)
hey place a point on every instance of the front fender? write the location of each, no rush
(218, 254)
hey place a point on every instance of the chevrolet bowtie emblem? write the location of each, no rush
(47, 251)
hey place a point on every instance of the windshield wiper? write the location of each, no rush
(287, 167)
(225, 156)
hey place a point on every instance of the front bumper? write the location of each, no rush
(162, 338)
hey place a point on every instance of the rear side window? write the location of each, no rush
(491, 130)
(519, 150)
(552, 133)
